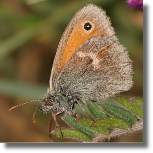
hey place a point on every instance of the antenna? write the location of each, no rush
(35, 112)
(27, 103)
(23, 104)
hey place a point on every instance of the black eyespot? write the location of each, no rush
(87, 26)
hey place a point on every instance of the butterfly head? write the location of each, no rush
(58, 102)
(47, 105)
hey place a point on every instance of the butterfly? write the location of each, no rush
(90, 64)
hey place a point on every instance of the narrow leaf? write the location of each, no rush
(95, 111)
(119, 113)
(138, 101)
(112, 123)
(86, 130)
(72, 134)
(104, 131)
(134, 104)
(86, 122)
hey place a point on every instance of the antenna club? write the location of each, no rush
(11, 108)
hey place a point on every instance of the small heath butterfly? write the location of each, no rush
(90, 64)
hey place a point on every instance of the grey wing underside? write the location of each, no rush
(98, 69)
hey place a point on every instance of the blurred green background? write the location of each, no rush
(29, 34)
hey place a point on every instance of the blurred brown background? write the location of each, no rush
(29, 34)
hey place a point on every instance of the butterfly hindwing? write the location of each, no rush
(97, 72)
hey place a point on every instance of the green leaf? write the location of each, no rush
(95, 111)
(112, 123)
(86, 122)
(138, 101)
(73, 134)
(119, 113)
(135, 104)
(86, 130)
(103, 128)
(104, 131)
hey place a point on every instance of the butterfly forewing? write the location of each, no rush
(74, 35)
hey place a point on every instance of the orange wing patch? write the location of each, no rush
(103, 51)
(77, 37)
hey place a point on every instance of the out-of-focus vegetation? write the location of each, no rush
(29, 34)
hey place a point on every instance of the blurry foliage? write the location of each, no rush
(29, 34)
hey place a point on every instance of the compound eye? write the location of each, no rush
(48, 102)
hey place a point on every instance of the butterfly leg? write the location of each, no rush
(83, 109)
(50, 124)
(56, 124)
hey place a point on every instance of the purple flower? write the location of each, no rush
(135, 3)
